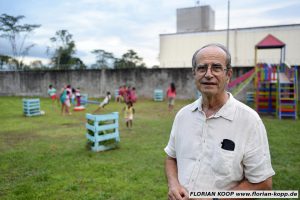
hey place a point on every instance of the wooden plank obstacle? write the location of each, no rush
(158, 95)
(103, 131)
(84, 100)
(31, 107)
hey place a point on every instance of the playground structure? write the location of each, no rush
(275, 85)
(103, 131)
(238, 84)
(31, 107)
(158, 95)
(84, 100)
(276, 90)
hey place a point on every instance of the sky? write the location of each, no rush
(119, 25)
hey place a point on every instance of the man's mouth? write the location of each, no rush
(208, 83)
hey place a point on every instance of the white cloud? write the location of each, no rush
(28, 60)
(254, 15)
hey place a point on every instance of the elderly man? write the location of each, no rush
(217, 142)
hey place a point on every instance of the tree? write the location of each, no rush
(36, 64)
(17, 34)
(7, 62)
(64, 46)
(104, 59)
(130, 60)
(77, 63)
(4, 61)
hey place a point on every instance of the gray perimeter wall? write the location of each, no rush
(96, 82)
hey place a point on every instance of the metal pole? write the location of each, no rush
(228, 23)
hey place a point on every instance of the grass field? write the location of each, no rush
(46, 157)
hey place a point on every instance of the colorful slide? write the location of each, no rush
(238, 84)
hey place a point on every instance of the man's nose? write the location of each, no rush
(208, 73)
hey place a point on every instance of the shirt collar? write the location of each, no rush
(227, 111)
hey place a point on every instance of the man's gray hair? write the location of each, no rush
(228, 56)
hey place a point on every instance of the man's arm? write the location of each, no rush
(246, 185)
(176, 191)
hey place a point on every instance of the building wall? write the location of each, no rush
(176, 50)
(200, 18)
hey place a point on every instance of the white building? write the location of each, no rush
(176, 49)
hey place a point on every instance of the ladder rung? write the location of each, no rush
(287, 99)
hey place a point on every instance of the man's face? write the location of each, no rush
(211, 82)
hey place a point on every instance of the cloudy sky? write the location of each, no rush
(119, 25)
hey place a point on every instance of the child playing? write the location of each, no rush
(120, 94)
(133, 96)
(68, 102)
(77, 94)
(104, 102)
(62, 98)
(52, 94)
(171, 94)
(128, 114)
(73, 96)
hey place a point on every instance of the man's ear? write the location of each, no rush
(229, 75)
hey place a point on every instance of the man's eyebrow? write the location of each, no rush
(204, 64)
(216, 64)
(201, 65)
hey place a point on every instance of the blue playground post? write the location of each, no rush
(31, 107)
(158, 95)
(103, 131)
(84, 99)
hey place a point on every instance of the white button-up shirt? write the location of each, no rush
(196, 143)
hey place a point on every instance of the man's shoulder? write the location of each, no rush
(246, 111)
(188, 108)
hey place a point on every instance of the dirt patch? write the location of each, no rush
(13, 138)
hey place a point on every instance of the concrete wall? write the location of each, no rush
(97, 82)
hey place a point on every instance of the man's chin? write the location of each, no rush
(208, 93)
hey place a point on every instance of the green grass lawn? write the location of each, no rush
(45, 157)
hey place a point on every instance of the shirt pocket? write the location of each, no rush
(222, 162)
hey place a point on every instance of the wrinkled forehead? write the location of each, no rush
(211, 54)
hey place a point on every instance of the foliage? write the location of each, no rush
(130, 60)
(17, 34)
(6, 62)
(64, 50)
(77, 63)
(45, 157)
(104, 59)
